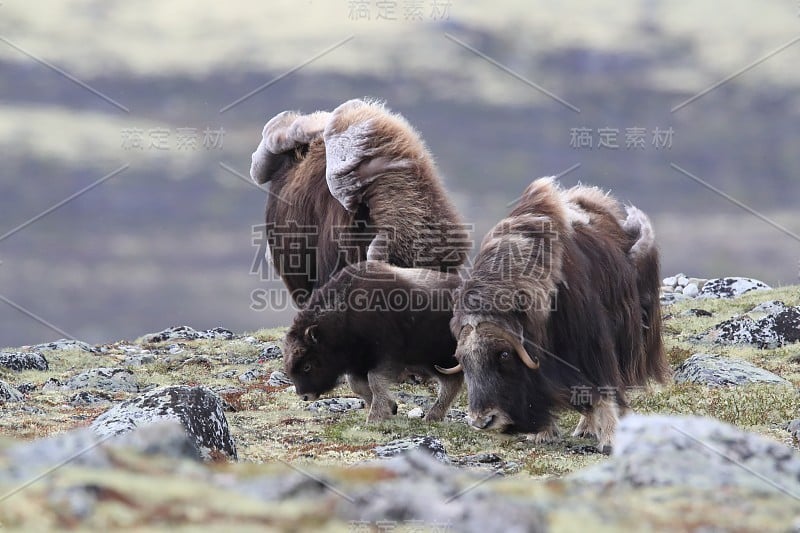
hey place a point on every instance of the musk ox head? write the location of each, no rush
(310, 355)
(505, 387)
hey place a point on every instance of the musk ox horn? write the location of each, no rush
(530, 362)
(311, 334)
(455, 370)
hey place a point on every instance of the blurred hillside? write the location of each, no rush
(502, 94)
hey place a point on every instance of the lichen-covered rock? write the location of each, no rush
(719, 371)
(336, 405)
(9, 393)
(90, 398)
(279, 379)
(425, 443)
(63, 344)
(731, 287)
(272, 351)
(19, 361)
(778, 328)
(199, 410)
(107, 379)
(188, 333)
(252, 375)
(697, 452)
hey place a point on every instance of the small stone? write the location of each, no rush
(691, 290)
(252, 375)
(336, 405)
(426, 443)
(88, 398)
(189, 334)
(415, 413)
(683, 281)
(272, 351)
(696, 312)
(19, 361)
(279, 379)
(670, 281)
(698, 281)
(9, 393)
(667, 289)
(678, 290)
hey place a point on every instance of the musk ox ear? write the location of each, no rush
(281, 135)
(357, 149)
(311, 334)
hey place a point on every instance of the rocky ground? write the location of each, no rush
(192, 429)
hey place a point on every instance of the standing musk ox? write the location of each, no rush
(351, 185)
(558, 312)
(375, 323)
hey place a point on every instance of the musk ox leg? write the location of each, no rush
(604, 419)
(585, 427)
(449, 386)
(547, 435)
(383, 406)
(360, 385)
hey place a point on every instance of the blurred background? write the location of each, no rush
(126, 130)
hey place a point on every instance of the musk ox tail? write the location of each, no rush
(644, 255)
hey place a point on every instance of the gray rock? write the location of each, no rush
(89, 398)
(63, 344)
(272, 351)
(696, 312)
(227, 374)
(190, 334)
(83, 447)
(731, 287)
(107, 379)
(771, 331)
(430, 445)
(702, 453)
(416, 412)
(279, 379)
(683, 281)
(719, 371)
(199, 410)
(666, 289)
(691, 290)
(428, 495)
(772, 307)
(9, 393)
(794, 429)
(336, 405)
(26, 388)
(698, 281)
(671, 281)
(672, 297)
(19, 361)
(252, 375)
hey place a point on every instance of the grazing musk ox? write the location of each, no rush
(375, 322)
(555, 314)
(354, 184)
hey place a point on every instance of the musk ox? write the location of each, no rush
(354, 184)
(557, 313)
(375, 322)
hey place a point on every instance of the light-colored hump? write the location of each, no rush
(544, 197)
(284, 132)
(366, 133)
(594, 197)
(638, 225)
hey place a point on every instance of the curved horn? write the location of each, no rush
(455, 370)
(530, 362)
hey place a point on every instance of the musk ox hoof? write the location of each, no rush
(605, 450)
(546, 436)
(434, 416)
(379, 413)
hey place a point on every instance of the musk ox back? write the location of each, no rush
(570, 334)
(351, 185)
(375, 322)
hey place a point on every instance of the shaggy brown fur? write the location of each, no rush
(568, 252)
(375, 323)
(349, 185)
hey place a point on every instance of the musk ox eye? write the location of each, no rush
(307, 367)
(504, 355)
